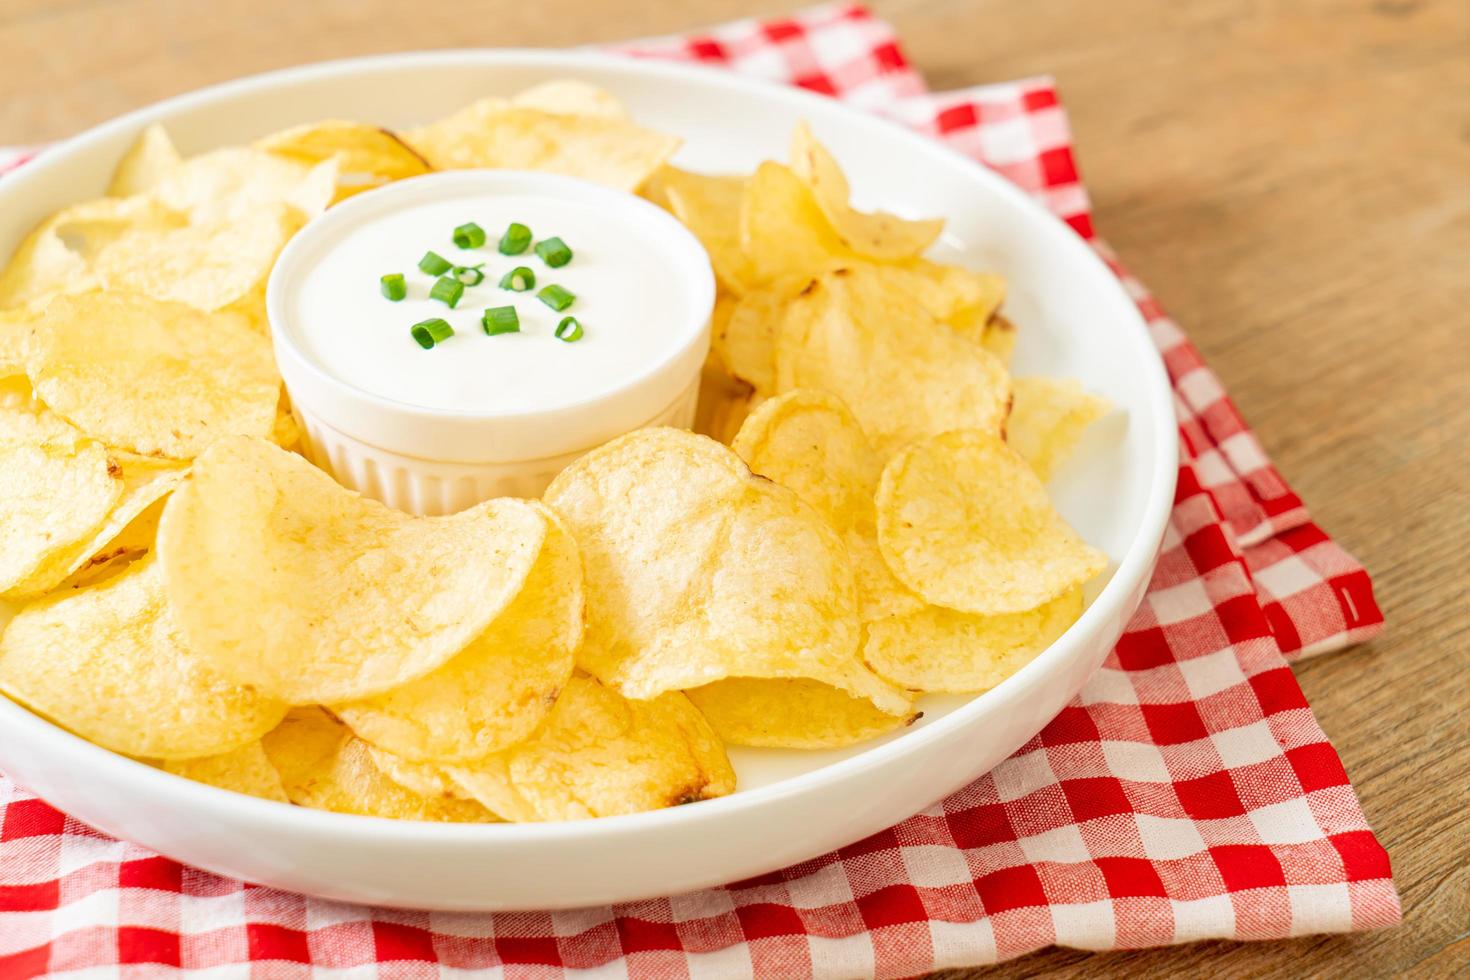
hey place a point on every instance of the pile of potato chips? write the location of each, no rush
(864, 519)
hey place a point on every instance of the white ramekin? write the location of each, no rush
(437, 461)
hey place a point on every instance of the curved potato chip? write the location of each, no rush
(424, 778)
(809, 442)
(965, 523)
(14, 326)
(313, 593)
(745, 340)
(791, 714)
(153, 377)
(54, 257)
(152, 155)
(938, 650)
(965, 300)
(1047, 420)
(879, 235)
(135, 540)
(231, 184)
(569, 97)
(999, 338)
(367, 156)
(709, 206)
(498, 688)
(783, 233)
(723, 402)
(491, 133)
(697, 570)
(245, 770)
(110, 664)
(600, 754)
(322, 766)
(903, 374)
(56, 489)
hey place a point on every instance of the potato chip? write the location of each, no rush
(424, 778)
(491, 133)
(999, 338)
(697, 570)
(569, 97)
(791, 714)
(367, 156)
(709, 206)
(1048, 418)
(55, 256)
(939, 650)
(724, 401)
(14, 326)
(110, 664)
(498, 688)
(231, 184)
(135, 540)
(902, 373)
(144, 165)
(809, 442)
(245, 770)
(965, 523)
(599, 755)
(145, 481)
(56, 489)
(315, 594)
(965, 300)
(877, 235)
(786, 239)
(323, 766)
(745, 340)
(152, 377)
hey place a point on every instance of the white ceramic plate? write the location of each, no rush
(1074, 319)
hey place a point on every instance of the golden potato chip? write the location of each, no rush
(723, 402)
(569, 97)
(600, 754)
(145, 481)
(289, 582)
(323, 766)
(15, 393)
(783, 233)
(697, 570)
(56, 489)
(236, 182)
(498, 688)
(153, 377)
(877, 235)
(55, 256)
(424, 778)
(903, 374)
(142, 167)
(809, 442)
(999, 338)
(965, 300)
(791, 714)
(745, 340)
(367, 156)
(709, 206)
(1047, 420)
(14, 326)
(245, 770)
(939, 650)
(135, 540)
(492, 133)
(110, 664)
(965, 523)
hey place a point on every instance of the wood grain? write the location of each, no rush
(1291, 178)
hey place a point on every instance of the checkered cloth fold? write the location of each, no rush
(1187, 794)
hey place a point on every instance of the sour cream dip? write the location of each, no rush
(433, 430)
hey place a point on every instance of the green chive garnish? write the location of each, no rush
(500, 319)
(447, 291)
(519, 279)
(556, 297)
(515, 239)
(469, 235)
(431, 332)
(554, 252)
(470, 275)
(435, 264)
(392, 286)
(569, 330)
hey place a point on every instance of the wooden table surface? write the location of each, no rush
(1291, 178)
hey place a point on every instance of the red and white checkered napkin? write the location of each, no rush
(1188, 794)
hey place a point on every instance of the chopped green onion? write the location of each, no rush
(519, 279)
(435, 264)
(430, 332)
(447, 291)
(500, 319)
(554, 252)
(515, 239)
(556, 297)
(392, 286)
(469, 235)
(569, 330)
(470, 275)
